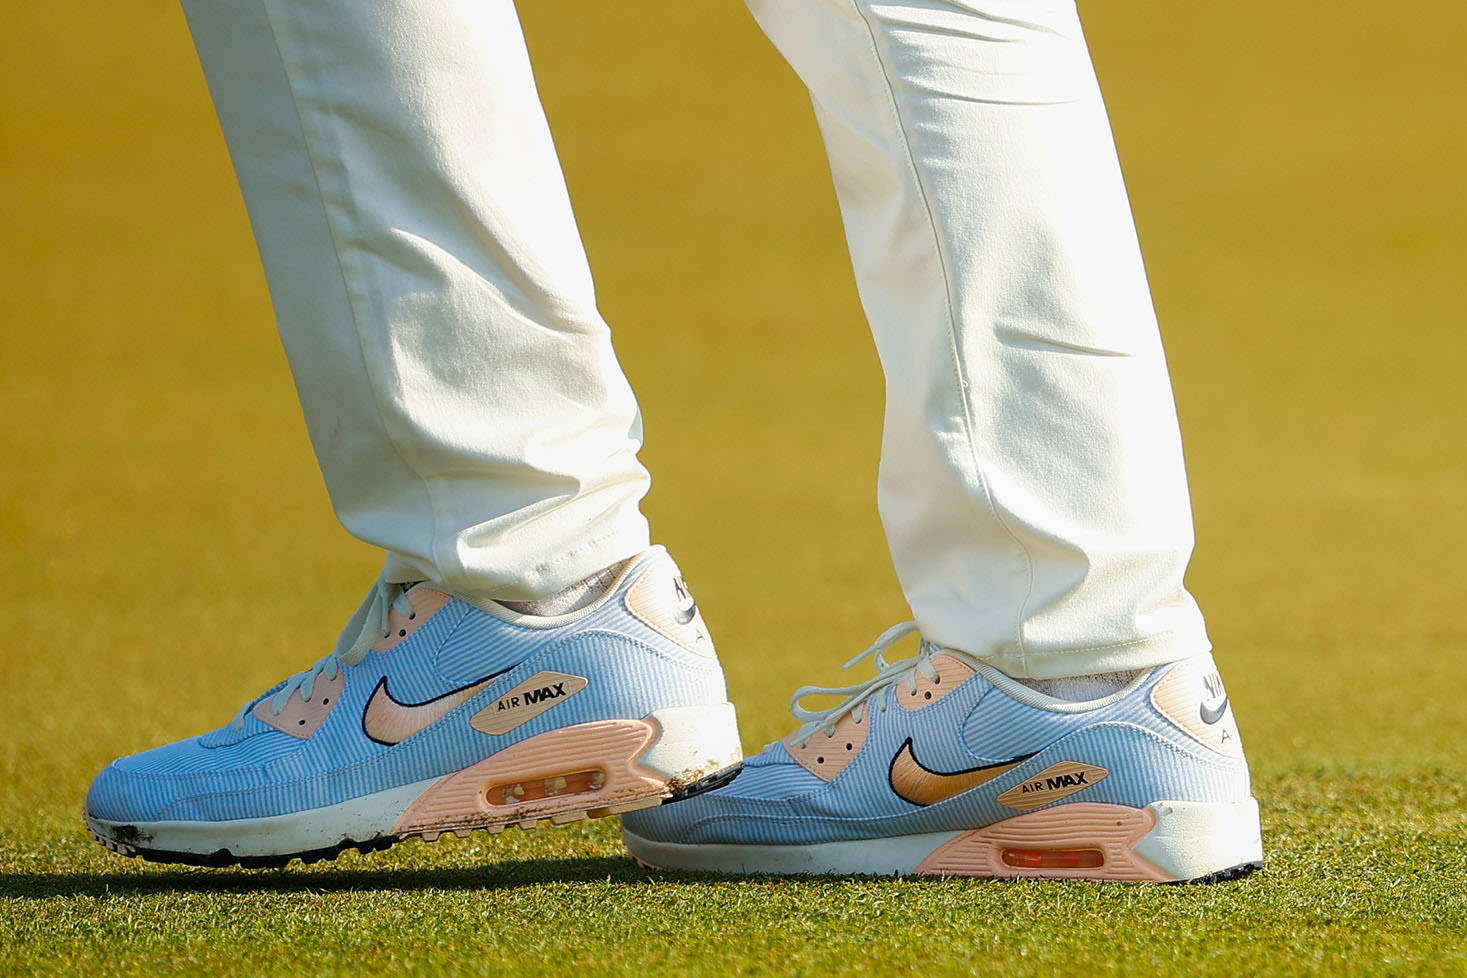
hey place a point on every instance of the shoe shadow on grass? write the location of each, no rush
(490, 876)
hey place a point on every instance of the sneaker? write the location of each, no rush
(943, 765)
(447, 717)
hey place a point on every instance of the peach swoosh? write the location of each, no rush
(389, 721)
(922, 786)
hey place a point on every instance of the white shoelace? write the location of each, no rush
(858, 696)
(370, 622)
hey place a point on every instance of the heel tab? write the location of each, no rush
(1191, 696)
(660, 599)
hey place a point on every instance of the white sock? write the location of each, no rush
(572, 598)
(1078, 689)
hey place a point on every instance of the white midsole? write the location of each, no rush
(1189, 840)
(895, 855)
(694, 742)
(357, 820)
(1195, 838)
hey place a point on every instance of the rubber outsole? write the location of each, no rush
(221, 858)
(1223, 875)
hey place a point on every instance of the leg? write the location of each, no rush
(430, 286)
(1031, 488)
(1031, 484)
(469, 415)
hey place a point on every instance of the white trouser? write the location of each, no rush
(460, 386)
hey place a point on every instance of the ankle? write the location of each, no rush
(571, 598)
(1078, 689)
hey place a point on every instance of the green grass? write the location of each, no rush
(1344, 894)
(169, 551)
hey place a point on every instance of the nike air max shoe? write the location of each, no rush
(445, 717)
(943, 765)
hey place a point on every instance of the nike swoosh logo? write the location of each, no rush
(687, 608)
(389, 721)
(923, 786)
(1212, 716)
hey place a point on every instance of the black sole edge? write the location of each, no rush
(716, 780)
(1224, 875)
(222, 858)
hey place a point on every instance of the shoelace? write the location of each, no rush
(859, 695)
(368, 623)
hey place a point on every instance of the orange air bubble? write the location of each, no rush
(520, 792)
(1053, 858)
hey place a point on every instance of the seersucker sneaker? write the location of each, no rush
(445, 717)
(943, 765)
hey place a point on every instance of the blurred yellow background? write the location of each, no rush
(1296, 171)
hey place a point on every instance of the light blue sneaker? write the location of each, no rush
(444, 716)
(943, 765)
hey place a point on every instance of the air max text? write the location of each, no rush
(534, 696)
(529, 699)
(1053, 783)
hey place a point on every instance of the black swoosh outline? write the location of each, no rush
(907, 748)
(1210, 717)
(382, 686)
